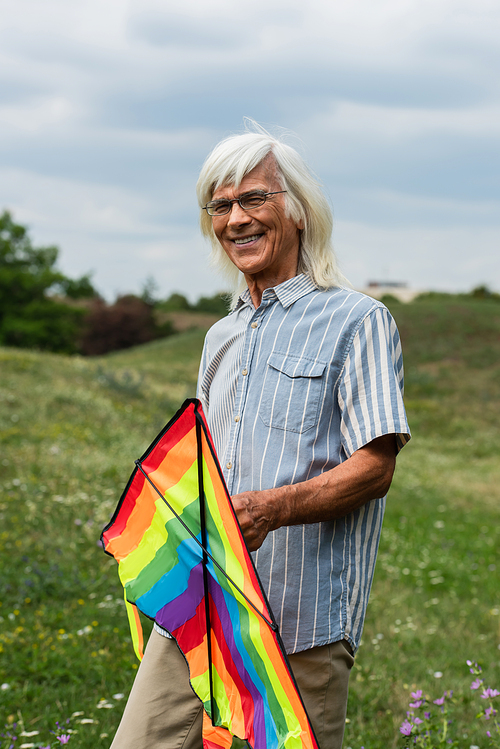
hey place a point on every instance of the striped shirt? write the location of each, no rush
(291, 390)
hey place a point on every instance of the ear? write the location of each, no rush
(300, 225)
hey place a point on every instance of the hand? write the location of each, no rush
(257, 515)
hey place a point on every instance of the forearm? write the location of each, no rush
(364, 476)
(336, 492)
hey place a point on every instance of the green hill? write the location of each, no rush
(70, 429)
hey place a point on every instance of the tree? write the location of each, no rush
(484, 292)
(29, 316)
(218, 304)
(175, 303)
(150, 290)
(78, 288)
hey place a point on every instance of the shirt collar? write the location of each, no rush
(287, 292)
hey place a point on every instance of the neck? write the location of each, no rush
(257, 285)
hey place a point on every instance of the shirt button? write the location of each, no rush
(236, 418)
(255, 325)
(244, 371)
(229, 465)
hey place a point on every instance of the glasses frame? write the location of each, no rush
(264, 195)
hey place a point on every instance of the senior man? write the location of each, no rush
(301, 385)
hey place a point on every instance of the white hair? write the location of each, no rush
(231, 160)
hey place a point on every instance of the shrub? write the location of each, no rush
(128, 322)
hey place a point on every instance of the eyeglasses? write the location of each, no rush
(247, 202)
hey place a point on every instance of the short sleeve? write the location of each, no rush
(370, 391)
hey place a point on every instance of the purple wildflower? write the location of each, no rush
(418, 695)
(64, 738)
(418, 703)
(490, 693)
(427, 715)
(417, 721)
(476, 683)
(440, 700)
(475, 668)
(406, 727)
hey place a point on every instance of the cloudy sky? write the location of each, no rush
(109, 107)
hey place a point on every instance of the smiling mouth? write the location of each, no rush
(246, 240)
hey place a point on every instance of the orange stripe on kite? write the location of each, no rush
(139, 521)
(198, 659)
(175, 463)
(126, 506)
(215, 737)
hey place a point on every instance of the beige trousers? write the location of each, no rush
(164, 713)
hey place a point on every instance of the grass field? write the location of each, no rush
(70, 430)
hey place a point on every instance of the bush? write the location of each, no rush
(128, 322)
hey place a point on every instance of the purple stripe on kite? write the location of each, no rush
(242, 666)
(183, 608)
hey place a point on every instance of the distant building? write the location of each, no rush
(398, 289)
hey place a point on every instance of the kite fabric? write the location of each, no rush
(184, 563)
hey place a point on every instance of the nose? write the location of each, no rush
(237, 215)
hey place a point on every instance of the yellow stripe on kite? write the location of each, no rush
(135, 627)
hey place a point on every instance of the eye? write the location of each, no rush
(253, 199)
(219, 208)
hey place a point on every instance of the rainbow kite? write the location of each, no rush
(184, 563)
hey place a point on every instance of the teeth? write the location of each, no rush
(247, 239)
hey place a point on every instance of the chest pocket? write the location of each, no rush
(292, 392)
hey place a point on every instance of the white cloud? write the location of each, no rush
(349, 120)
(36, 114)
(109, 109)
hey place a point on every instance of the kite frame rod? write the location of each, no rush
(273, 626)
(203, 526)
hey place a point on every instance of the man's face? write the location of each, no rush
(262, 242)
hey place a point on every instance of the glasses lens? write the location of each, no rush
(252, 200)
(219, 208)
